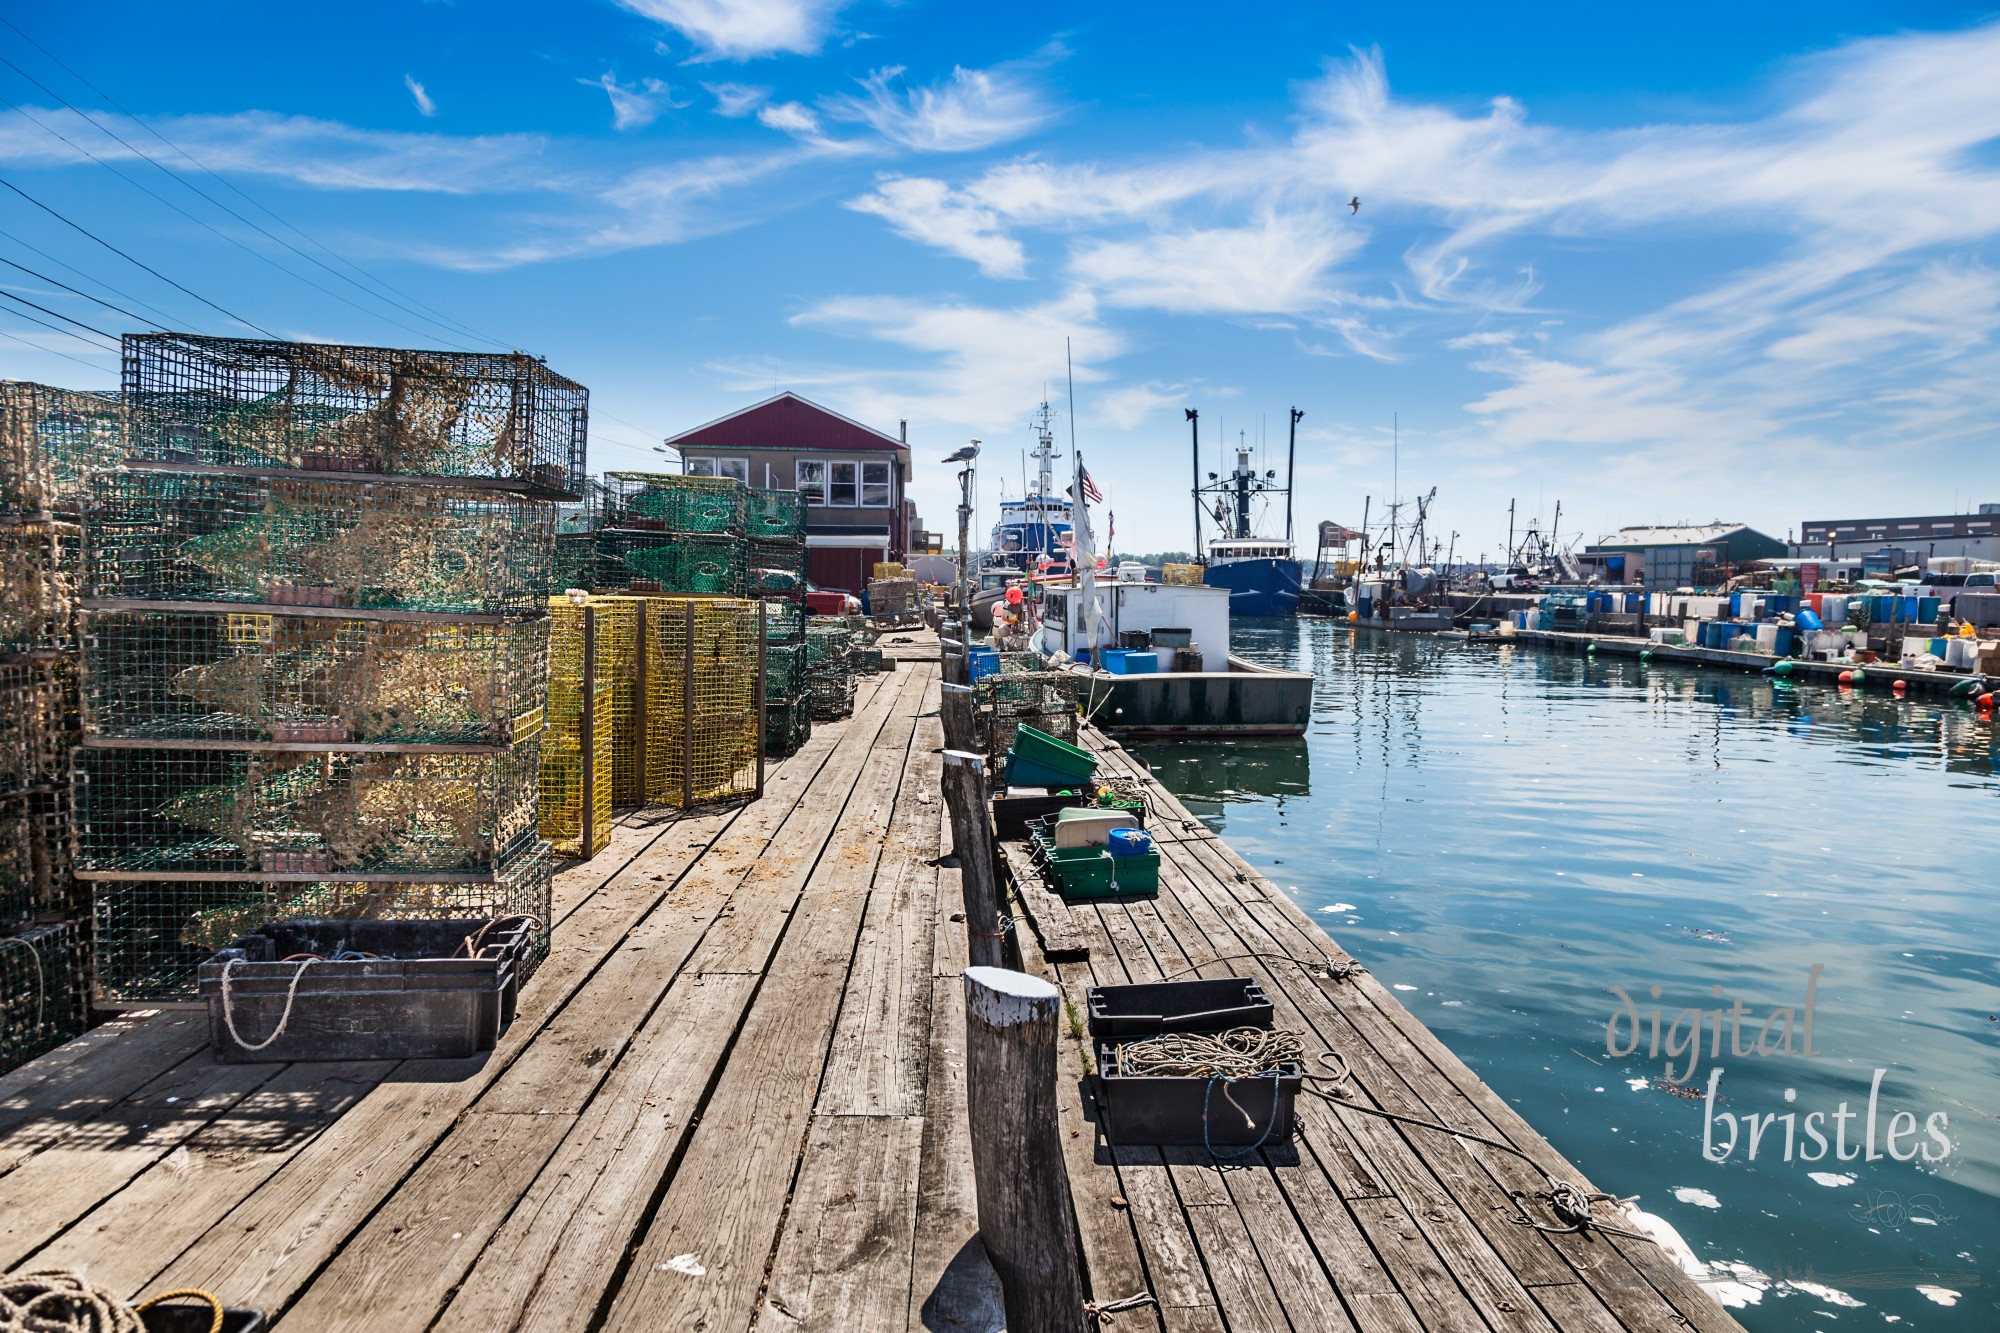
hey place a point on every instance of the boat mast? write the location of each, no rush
(1194, 430)
(1291, 462)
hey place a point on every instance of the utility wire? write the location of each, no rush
(30, 342)
(143, 305)
(85, 295)
(200, 222)
(438, 317)
(21, 300)
(248, 324)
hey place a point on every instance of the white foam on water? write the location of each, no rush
(1833, 1180)
(1831, 1295)
(1942, 1295)
(1401, 986)
(1638, 1084)
(1732, 1285)
(1699, 1197)
(1341, 907)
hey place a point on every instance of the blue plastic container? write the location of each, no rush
(1783, 648)
(981, 663)
(1809, 622)
(1129, 842)
(1113, 660)
(1139, 662)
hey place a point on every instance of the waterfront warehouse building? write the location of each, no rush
(1917, 540)
(1661, 559)
(854, 479)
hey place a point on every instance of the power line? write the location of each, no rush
(30, 342)
(438, 317)
(248, 324)
(85, 295)
(200, 222)
(115, 291)
(22, 300)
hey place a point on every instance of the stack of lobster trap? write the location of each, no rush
(777, 529)
(315, 645)
(49, 438)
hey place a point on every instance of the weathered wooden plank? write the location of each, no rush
(844, 1258)
(548, 1265)
(1177, 1276)
(53, 1188)
(769, 1082)
(1242, 1286)
(1064, 936)
(47, 1100)
(1364, 1284)
(432, 1228)
(142, 1228)
(1304, 1290)
(953, 1288)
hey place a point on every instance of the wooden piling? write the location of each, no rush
(1017, 1158)
(972, 843)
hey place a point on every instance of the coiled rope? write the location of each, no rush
(57, 1300)
(1231, 1057)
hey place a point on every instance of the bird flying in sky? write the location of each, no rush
(1354, 205)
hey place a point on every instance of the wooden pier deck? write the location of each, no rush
(734, 1099)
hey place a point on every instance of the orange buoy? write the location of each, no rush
(1900, 686)
(1847, 678)
(1984, 701)
(1353, 616)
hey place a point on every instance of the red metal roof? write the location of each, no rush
(787, 422)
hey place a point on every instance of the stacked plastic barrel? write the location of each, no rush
(49, 437)
(315, 644)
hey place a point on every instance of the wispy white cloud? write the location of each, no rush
(972, 109)
(425, 106)
(635, 107)
(744, 29)
(790, 117)
(1275, 265)
(929, 212)
(736, 99)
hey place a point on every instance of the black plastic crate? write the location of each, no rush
(1015, 808)
(1122, 1013)
(198, 1317)
(366, 989)
(1227, 1116)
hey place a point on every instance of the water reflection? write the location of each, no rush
(1504, 834)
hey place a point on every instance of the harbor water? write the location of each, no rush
(1524, 845)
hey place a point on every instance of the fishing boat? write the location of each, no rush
(1261, 574)
(1033, 533)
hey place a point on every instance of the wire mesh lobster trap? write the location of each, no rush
(829, 671)
(784, 621)
(44, 990)
(776, 516)
(36, 602)
(893, 601)
(657, 562)
(35, 880)
(50, 440)
(191, 814)
(153, 936)
(237, 676)
(671, 502)
(269, 405)
(704, 700)
(576, 784)
(777, 569)
(575, 562)
(787, 725)
(784, 670)
(310, 542)
(37, 723)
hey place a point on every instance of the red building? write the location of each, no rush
(854, 478)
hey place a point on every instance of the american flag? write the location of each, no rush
(1090, 489)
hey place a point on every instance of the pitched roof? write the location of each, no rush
(1697, 534)
(786, 421)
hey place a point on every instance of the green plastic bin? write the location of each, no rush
(1038, 747)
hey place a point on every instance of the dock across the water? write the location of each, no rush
(734, 1098)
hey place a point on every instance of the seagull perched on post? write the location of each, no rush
(965, 454)
(1354, 205)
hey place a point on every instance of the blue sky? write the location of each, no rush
(1709, 262)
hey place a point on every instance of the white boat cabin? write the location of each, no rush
(1202, 611)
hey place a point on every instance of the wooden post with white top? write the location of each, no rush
(1011, 1025)
(964, 786)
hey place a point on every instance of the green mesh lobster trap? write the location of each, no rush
(50, 440)
(35, 878)
(191, 814)
(44, 990)
(37, 722)
(152, 936)
(662, 563)
(243, 676)
(787, 726)
(671, 502)
(309, 542)
(266, 405)
(776, 516)
(36, 602)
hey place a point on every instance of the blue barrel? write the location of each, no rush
(1129, 842)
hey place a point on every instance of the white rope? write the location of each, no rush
(284, 1019)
